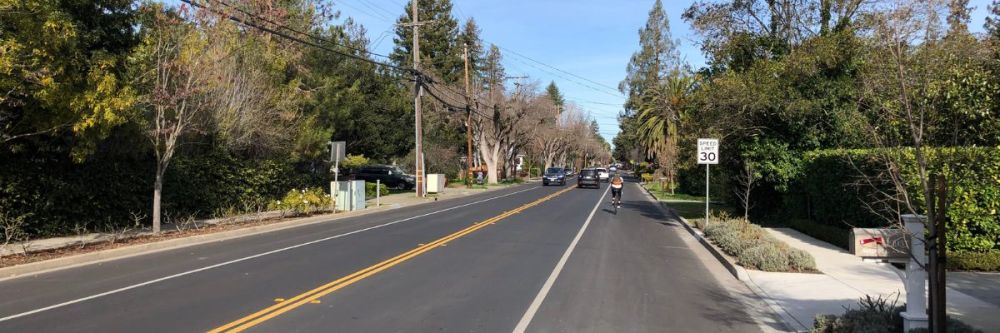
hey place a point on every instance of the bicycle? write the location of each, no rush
(616, 200)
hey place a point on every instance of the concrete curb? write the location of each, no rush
(738, 271)
(101, 256)
(56, 264)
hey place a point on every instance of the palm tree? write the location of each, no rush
(660, 114)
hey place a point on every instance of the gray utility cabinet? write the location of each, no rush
(350, 194)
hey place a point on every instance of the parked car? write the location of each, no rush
(389, 175)
(569, 172)
(603, 174)
(588, 177)
(554, 175)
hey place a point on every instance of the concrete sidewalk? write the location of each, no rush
(846, 278)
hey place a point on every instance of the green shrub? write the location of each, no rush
(974, 261)
(765, 256)
(304, 201)
(647, 178)
(64, 196)
(800, 261)
(876, 315)
(370, 190)
(754, 248)
(827, 190)
(354, 161)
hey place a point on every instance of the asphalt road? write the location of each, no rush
(531, 258)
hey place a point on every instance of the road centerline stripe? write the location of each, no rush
(234, 261)
(522, 325)
(323, 290)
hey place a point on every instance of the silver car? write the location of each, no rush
(603, 174)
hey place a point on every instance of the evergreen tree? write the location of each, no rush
(557, 98)
(440, 50)
(992, 24)
(493, 71)
(958, 16)
(354, 101)
(656, 59)
(470, 36)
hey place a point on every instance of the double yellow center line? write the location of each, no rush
(314, 294)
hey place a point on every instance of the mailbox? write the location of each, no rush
(880, 243)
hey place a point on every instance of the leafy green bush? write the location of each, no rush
(647, 178)
(64, 196)
(370, 190)
(974, 261)
(354, 161)
(876, 315)
(754, 248)
(304, 201)
(831, 190)
(765, 256)
(801, 261)
(873, 315)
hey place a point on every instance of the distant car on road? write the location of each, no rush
(588, 177)
(389, 175)
(554, 175)
(569, 172)
(603, 174)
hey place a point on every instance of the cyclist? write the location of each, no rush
(617, 184)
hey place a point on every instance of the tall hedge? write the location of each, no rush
(59, 196)
(840, 187)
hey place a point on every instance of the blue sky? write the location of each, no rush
(588, 38)
(592, 39)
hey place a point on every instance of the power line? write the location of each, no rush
(372, 13)
(375, 5)
(580, 100)
(278, 25)
(560, 70)
(567, 78)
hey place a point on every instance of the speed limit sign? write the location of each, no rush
(708, 151)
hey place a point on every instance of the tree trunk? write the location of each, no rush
(157, 189)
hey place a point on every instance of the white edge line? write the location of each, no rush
(106, 293)
(537, 303)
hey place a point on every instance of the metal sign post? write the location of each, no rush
(708, 154)
(336, 154)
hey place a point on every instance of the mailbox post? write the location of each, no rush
(915, 315)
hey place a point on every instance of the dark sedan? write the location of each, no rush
(588, 177)
(554, 176)
(389, 175)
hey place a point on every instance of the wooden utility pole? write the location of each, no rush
(419, 165)
(468, 120)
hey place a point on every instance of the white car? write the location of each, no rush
(603, 174)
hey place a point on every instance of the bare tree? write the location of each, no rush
(13, 228)
(179, 92)
(745, 182)
(206, 77)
